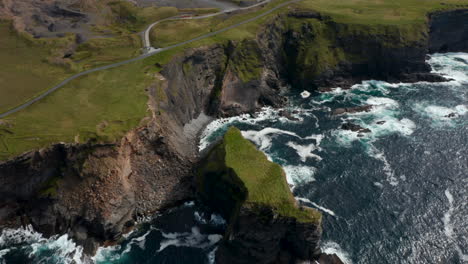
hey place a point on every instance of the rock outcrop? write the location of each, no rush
(351, 110)
(448, 31)
(265, 224)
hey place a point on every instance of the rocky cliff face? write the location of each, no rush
(96, 191)
(449, 31)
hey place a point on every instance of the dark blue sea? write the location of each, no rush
(397, 194)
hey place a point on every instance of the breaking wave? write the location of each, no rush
(331, 247)
(32, 247)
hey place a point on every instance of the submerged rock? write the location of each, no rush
(355, 128)
(350, 110)
(288, 115)
(451, 115)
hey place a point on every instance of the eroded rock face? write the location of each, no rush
(95, 192)
(449, 31)
(215, 77)
(50, 18)
(402, 61)
(257, 235)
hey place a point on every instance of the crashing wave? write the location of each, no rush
(331, 247)
(59, 249)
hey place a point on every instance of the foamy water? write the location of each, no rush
(397, 194)
(342, 173)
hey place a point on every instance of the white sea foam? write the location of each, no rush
(218, 126)
(441, 115)
(387, 169)
(262, 138)
(380, 122)
(321, 208)
(331, 247)
(107, 254)
(382, 101)
(189, 204)
(193, 239)
(305, 94)
(298, 175)
(141, 240)
(212, 256)
(451, 65)
(216, 219)
(111, 253)
(378, 184)
(199, 218)
(305, 151)
(382, 119)
(448, 226)
(62, 246)
(3, 252)
(25, 235)
(318, 140)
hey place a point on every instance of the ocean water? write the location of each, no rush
(186, 234)
(398, 194)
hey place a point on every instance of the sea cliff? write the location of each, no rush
(265, 223)
(95, 192)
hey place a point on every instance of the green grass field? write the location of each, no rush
(264, 180)
(25, 69)
(370, 12)
(409, 14)
(102, 106)
(30, 66)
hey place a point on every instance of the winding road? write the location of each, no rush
(151, 51)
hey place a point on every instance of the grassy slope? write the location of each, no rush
(172, 32)
(30, 66)
(265, 181)
(99, 107)
(408, 14)
(369, 12)
(24, 70)
(84, 105)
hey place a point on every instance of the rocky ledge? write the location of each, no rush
(265, 223)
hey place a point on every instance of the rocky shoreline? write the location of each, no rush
(95, 192)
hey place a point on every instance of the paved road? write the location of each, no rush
(141, 57)
(146, 38)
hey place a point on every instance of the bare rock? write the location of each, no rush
(355, 128)
(350, 110)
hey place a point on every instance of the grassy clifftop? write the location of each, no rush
(238, 174)
(102, 106)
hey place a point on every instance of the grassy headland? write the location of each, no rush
(234, 174)
(264, 180)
